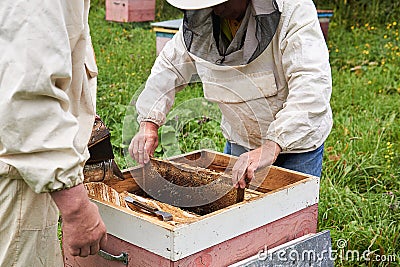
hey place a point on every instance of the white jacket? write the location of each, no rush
(46, 107)
(281, 95)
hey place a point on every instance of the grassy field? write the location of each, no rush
(360, 185)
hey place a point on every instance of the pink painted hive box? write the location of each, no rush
(130, 10)
(282, 208)
(164, 31)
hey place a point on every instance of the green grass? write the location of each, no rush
(360, 185)
(360, 188)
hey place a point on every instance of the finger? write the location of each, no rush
(151, 146)
(242, 170)
(141, 152)
(103, 241)
(135, 145)
(85, 251)
(94, 249)
(74, 252)
(247, 176)
(242, 183)
(130, 149)
(238, 171)
(147, 151)
(235, 170)
(146, 157)
(251, 170)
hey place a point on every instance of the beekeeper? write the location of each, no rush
(265, 63)
(46, 117)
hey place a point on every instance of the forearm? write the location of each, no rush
(274, 149)
(71, 201)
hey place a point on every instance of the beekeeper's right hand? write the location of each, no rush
(144, 143)
(84, 232)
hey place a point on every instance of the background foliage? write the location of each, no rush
(360, 185)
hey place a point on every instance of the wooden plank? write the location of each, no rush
(208, 159)
(164, 30)
(129, 184)
(272, 178)
(230, 251)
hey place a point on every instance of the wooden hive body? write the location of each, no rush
(130, 10)
(282, 208)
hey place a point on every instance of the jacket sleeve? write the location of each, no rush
(40, 134)
(171, 72)
(305, 120)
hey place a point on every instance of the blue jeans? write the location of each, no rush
(307, 162)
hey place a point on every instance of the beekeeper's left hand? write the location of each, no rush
(245, 167)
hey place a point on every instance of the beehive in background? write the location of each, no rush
(130, 10)
(165, 30)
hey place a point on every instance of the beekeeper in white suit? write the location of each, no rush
(46, 116)
(266, 64)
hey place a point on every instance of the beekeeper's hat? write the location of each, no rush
(194, 4)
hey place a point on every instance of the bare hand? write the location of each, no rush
(84, 232)
(244, 169)
(144, 143)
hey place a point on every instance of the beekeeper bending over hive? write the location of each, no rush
(265, 63)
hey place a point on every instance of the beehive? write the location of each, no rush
(130, 10)
(165, 30)
(283, 207)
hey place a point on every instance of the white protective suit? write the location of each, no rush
(273, 82)
(46, 116)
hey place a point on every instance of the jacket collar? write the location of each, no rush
(262, 19)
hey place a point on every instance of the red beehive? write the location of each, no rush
(130, 10)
